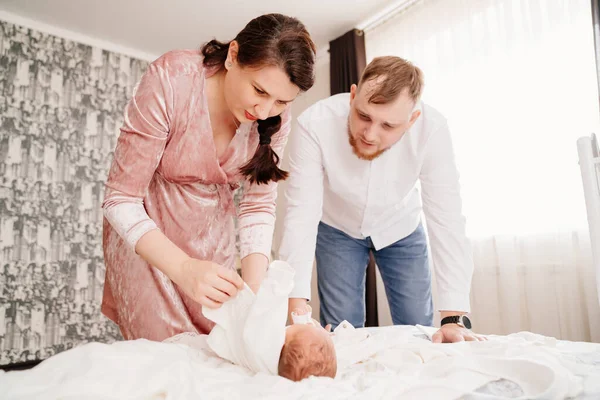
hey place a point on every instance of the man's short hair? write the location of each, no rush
(392, 75)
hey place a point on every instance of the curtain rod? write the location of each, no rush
(397, 8)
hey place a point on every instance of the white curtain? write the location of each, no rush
(517, 81)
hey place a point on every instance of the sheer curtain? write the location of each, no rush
(517, 81)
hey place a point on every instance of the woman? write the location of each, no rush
(199, 125)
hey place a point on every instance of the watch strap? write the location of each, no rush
(453, 319)
(461, 320)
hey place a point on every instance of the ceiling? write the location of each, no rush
(157, 26)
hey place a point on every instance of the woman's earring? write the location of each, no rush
(228, 64)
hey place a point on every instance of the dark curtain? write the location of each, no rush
(347, 62)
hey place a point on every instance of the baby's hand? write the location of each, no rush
(302, 315)
(303, 310)
(305, 314)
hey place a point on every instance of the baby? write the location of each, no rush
(307, 350)
(250, 331)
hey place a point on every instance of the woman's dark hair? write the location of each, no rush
(269, 40)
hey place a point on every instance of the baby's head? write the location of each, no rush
(308, 351)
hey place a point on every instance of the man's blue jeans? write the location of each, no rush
(404, 266)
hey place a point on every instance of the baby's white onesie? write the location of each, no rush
(250, 328)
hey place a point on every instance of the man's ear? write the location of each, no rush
(415, 115)
(353, 91)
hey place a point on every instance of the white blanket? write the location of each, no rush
(250, 328)
(381, 363)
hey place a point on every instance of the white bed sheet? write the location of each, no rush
(392, 362)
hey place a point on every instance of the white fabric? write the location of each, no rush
(517, 277)
(517, 93)
(516, 154)
(588, 150)
(379, 199)
(129, 219)
(250, 328)
(354, 345)
(394, 364)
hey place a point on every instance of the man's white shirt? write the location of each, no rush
(379, 199)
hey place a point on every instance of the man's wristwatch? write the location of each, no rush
(461, 320)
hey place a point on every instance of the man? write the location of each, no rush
(355, 168)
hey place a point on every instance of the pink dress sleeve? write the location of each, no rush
(137, 155)
(256, 215)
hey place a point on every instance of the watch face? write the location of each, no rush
(466, 321)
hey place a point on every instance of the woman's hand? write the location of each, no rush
(208, 283)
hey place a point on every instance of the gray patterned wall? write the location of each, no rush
(61, 106)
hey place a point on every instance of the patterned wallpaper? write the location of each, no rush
(61, 106)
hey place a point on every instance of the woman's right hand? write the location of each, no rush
(208, 283)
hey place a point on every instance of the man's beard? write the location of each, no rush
(357, 152)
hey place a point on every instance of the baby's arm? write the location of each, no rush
(303, 315)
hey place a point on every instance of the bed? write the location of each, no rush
(386, 362)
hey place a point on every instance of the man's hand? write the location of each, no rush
(452, 333)
(317, 323)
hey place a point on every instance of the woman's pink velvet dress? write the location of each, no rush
(166, 175)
